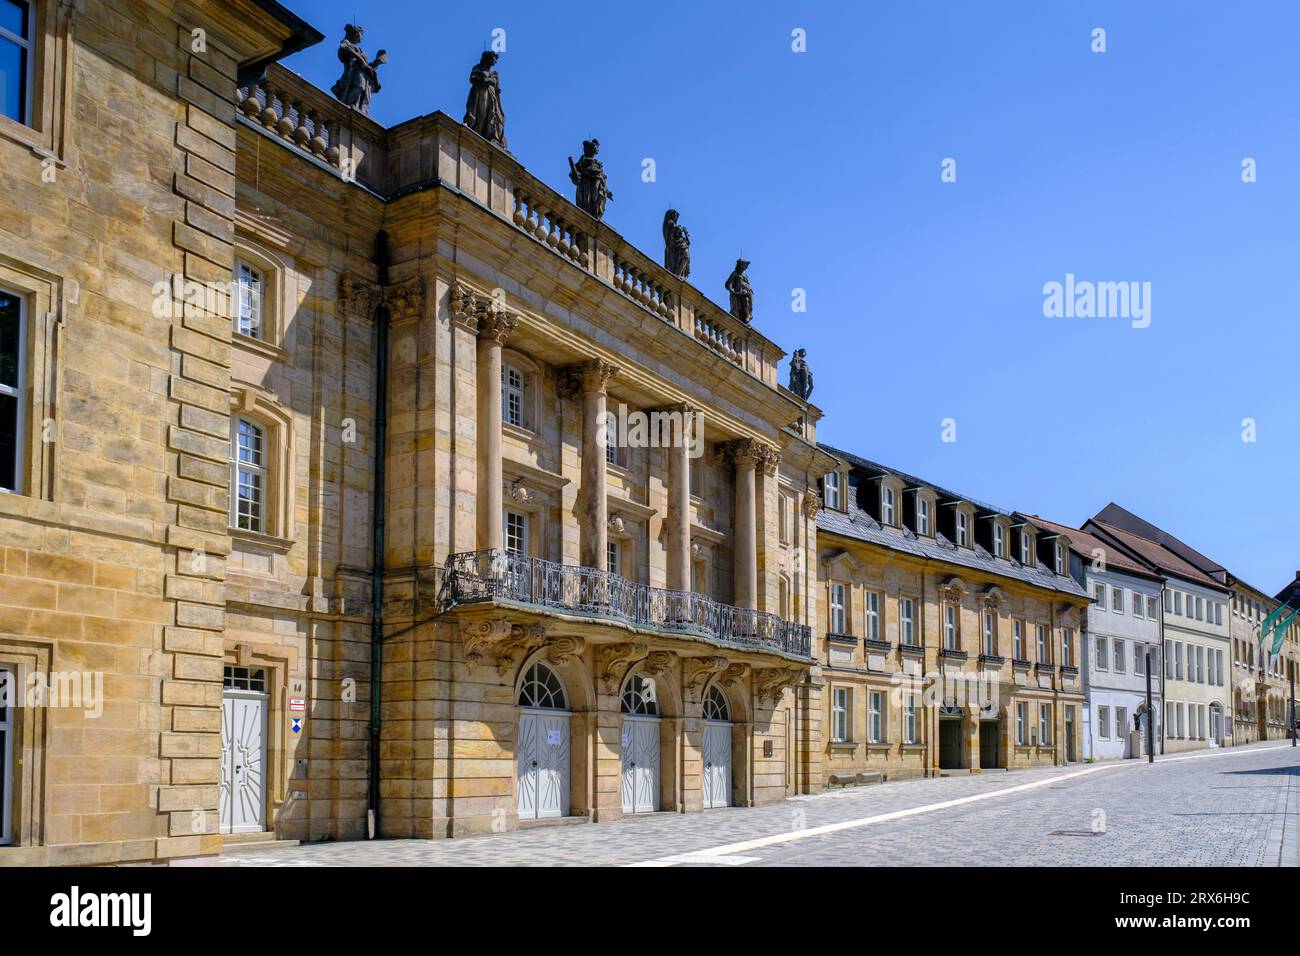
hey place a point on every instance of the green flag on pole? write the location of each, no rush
(1279, 632)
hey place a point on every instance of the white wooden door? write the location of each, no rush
(640, 745)
(543, 764)
(717, 764)
(243, 763)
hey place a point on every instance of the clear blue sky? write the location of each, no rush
(925, 299)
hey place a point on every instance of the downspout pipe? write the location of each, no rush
(377, 535)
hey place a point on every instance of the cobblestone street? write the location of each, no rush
(1237, 807)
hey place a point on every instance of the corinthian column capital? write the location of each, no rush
(590, 377)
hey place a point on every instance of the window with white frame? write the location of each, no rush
(876, 717)
(1099, 593)
(1102, 657)
(1218, 659)
(907, 622)
(1151, 607)
(831, 489)
(1026, 550)
(250, 299)
(248, 486)
(1060, 558)
(1041, 634)
(839, 715)
(922, 515)
(1018, 639)
(1121, 722)
(512, 399)
(909, 719)
(1137, 605)
(950, 627)
(1067, 646)
(1103, 722)
(1139, 659)
(614, 557)
(887, 506)
(1044, 725)
(873, 616)
(516, 532)
(1218, 613)
(1022, 723)
(990, 638)
(1178, 603)
(962, 531)
(839, 619)
(1117, 600)
(8, 694)
(1178, 660)
(17, 36)
(1169, 660)
(999, 541)
(1200, 608)
(1120, 658)
(1200, 664)
(13, 371)
(1169, 604)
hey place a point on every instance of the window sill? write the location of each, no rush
(257, 538)
(843, 745)
(879, 747)
(913, 748)
(1019, 664)
(526, 435)
(263, 348)
(911, 650)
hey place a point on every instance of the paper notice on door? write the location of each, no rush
(552, 738)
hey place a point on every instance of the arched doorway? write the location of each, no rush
(542, 749)
(717, 749)
(640, 746)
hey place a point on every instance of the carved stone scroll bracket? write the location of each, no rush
(499, 639)
(481, 314)
(733, 674)
(562, 650)
(770, 682)
(812, 503)
(615, 659)
(700, 669)
(358, 297)
(657, 663)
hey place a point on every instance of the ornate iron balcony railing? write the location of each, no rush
(494, 574)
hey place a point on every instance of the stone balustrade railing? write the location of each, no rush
(435, 148)
(312, 121)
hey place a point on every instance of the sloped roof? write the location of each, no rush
(860, 526)
(1156, 554)
(1125, 520)
(1084, 544)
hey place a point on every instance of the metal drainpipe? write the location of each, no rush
(1164, 667)
(377, 538)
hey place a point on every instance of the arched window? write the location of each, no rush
(512, 396)
(715, 705)
(542, 688)
(639, 697)
(247, 476)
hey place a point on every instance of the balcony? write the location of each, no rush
(496, 575)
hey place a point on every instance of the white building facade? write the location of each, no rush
(1124, 640)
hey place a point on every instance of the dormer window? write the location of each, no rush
(831, 489)
(999, 541)
(1060, 558)
(963, 530)
(1026, 550)
(887, 506)
(922, 515)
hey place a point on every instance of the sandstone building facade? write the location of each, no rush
(308, 471)
(948, 630)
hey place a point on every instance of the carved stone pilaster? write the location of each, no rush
(406, 299)
(562, 650)
(358, 297)
(499, 639)
(481, 314)
(583, 378)
(770, 682)
(700, 669)
(812, 503)
(615, 659)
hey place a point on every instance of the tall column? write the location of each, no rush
(493, 330)
(746, 455)
(679, 503)
(593, 377)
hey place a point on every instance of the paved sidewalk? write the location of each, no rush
(1236, 807)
